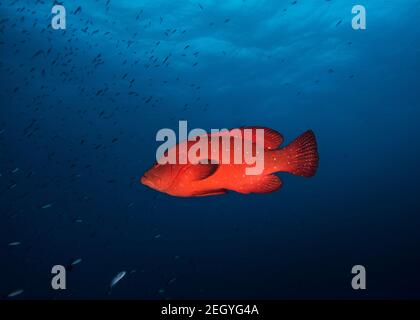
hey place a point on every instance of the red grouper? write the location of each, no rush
(211, 175)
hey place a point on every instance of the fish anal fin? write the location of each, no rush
(256, 184)
(206, 193)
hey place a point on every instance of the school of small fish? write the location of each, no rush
(38, 89)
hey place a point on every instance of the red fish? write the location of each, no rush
(214, 177)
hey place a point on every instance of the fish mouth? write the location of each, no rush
(147, 181)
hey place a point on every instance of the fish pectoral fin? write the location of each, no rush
(266, 184)
(199, 171)
(206, 193)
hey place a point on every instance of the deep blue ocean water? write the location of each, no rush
(80, 109)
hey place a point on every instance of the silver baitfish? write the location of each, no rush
(116, 279)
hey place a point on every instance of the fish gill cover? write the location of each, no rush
(80, 108)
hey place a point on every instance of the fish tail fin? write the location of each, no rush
(300, 157)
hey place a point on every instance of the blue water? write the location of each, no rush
(67, 94)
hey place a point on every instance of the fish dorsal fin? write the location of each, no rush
(264, 184)
(199, 171)
(272, 138)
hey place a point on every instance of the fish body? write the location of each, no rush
(46, 206)
(213, 176)
(77, 261)
(115, 280)
(73, 263)
(15, 293)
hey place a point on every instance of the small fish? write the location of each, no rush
(77, 261)
(166, 59)
(46, 206)
(15, 170)
(116, 279)
(70, 266)
(78, 10)
(212, 176)
(36, 54)
(15, 293)
(14, 244)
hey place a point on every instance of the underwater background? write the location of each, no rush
(80, 109)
